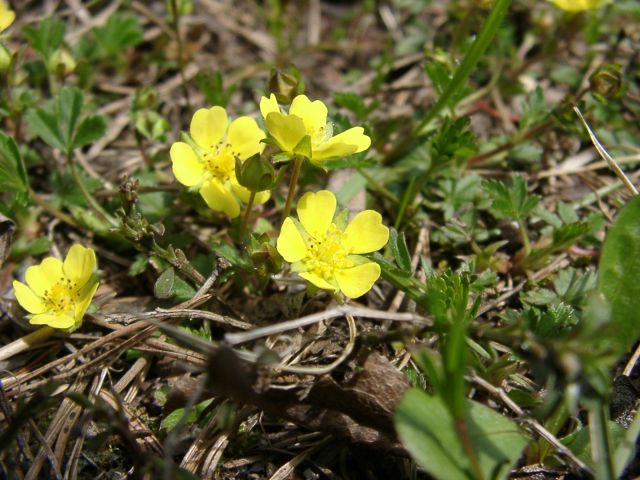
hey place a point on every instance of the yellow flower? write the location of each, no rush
(327, 255)
(58, 293)
(578, 5)
(207, 163)
(7, 16)
(310, 118)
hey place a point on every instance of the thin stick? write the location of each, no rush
(26, 342)
(243, 337)
(613, 165)
(531, 423)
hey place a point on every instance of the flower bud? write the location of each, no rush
(256, 173)
(61, 63)
(5, 58)
(606, 82)
(284, 86)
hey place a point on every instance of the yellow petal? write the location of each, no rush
(244, 137)
(317, 280)
(86, 295)
(350, 141)
(287, 130)
(315, 211)
(27, 299)
(244, 193)
(365, 233)
(54, 321)
(578, 5)
(290, 243)
(220, 198)
(313, 114)
(7, 16)
(268, 105)
(42, 277)
(186, 165)
(208, 126)
(79, 264)
(262, 197)
(358, 280)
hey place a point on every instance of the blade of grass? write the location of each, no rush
(468, 63)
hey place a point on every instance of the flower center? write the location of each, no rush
(327, 254)
(319, 135)
(219, 162)
(62, 296)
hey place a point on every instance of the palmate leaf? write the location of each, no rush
(511, 202)
(426, 428)
(58, 123)
(13, 175)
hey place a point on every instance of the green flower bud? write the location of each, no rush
(284, 86)
(145, 98)
(61, 63)
(256, 173)
(606, 82)
(5, 58)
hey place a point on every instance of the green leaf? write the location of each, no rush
(469, 62)
(165, 284)
(56, 122)
(398, 245)
(47, 37)
(121, 31)
(619, 271)
(171, 420)
(427, 430)
(45, 125)
(69, 105)
(91, 129)
(13, 175)
(511, 202)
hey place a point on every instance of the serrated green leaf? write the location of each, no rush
(47, 37)
(69, 105)
(13, 175)
(121, 31)
(511, 202)
(427, 430)
(91, 129)
(45, 125)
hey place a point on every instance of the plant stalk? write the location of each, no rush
(295, 174)
(247, 213)
(85, 193)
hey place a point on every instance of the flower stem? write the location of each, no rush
(85, 193)
(297, 166)
(526, 243)
(247, 213)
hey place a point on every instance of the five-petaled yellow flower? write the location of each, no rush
(7, 16)
(58, 293)
(578, 5)
(208, 163)
(310, 118)
(326, 254)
